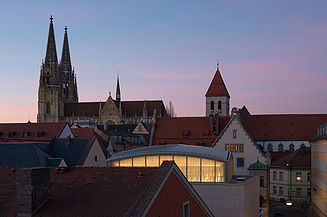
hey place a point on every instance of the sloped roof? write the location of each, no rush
(187, 130)
(49, 131)
(92, 191)
(217, 86)
(258, 166)
(295, 159)
(23, 155)
(283, 127)
(179, 149)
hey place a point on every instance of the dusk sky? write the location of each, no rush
(272, 54)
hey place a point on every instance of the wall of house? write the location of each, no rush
(264, 190)
(66, 131)
(166, 204)
(250, 150)
(319, 177)
(231, 199)
(95, 151)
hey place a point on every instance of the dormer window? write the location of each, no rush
(26, 134)
(186, 133)
(40, 133)
(11, 134)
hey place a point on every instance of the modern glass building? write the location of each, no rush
(198, 164)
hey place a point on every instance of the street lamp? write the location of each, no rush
(289, 202)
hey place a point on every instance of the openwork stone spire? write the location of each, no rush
(65, 63)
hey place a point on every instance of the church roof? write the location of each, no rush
(217, 86)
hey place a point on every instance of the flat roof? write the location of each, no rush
(176, 149)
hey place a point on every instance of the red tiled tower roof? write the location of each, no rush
(217, 86)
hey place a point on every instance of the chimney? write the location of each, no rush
(217, 123)
(68, 139)
(32, 189)
(210, 123)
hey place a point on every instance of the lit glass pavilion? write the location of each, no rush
(198, 164)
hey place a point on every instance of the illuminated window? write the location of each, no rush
(181, 163)
(234, 134)
(152, 161)
(126, 162)
(299, 176)
(193, 169)
(226, 147)
(220, 171)
(240, 162)
(241, 147)
(208, 170)
(165, 158)
(115, 163)
(139, 161)
(236, 148)
(231, 147)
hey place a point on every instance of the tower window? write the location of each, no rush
(212, 105)
(48, 108)
(219, 105)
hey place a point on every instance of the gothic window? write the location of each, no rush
(291, 147)
(212, 105)
(280, 147)
(48, 108)
(270, 147)
(219, 105)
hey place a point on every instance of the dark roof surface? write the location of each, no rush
(91, 191)
(217, 86)
(295, 159)
(49, 131)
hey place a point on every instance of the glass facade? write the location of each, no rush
(195, 169)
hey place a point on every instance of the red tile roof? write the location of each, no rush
(217, 86)
(91, 191)
(187, 130)
(283, 127)
(295, 159)
(49, 131)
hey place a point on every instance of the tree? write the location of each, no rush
(170, 110)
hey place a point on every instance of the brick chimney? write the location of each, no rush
(32, 189)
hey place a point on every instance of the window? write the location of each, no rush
(274, 175)
(262, 181)
(25, 134)
(241, 147)
(240, 162)
(219, 105)
(298, 176)
(274, 190)
(186, 209)
(309, 192)
(281, 191)
(11, 134)
(231, 147)
(291, 147)
(226, 147)
(281, 176)
(270, 147)
(48, 108)
(96, 158)
(212, 105)
(280, 147)
(40, 133)
(236, 148)
(234, 134)
(308, 177)
(298, 191)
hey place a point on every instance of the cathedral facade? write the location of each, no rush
(58, 95)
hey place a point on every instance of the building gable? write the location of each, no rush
(95, 156)
(109, 114)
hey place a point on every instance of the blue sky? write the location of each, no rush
(272, 54)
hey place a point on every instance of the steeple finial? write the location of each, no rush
(118, 88)
(51, 19)
(217, 64)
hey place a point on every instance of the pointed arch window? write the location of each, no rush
(48, 108)
(280, 147)
(291, 147)
(219, 105)
(270, 147)
(212, 105)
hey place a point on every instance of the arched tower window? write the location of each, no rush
(291, 147)
(212, 105)
(48, 110)
(280, 147)
(270, 147)
(219, 105)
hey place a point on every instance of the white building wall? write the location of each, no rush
(95, 151)
(65, 132)
(224, 111)
(250, 150)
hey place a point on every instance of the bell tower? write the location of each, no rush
(217, 96)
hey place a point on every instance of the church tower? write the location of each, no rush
(57, 82)
(217, 96)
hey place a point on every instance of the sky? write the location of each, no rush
(272, 53)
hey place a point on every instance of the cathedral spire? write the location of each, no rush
(118, 89)
(65, 63)
(51, 53)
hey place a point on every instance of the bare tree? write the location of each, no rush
(170, 110)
